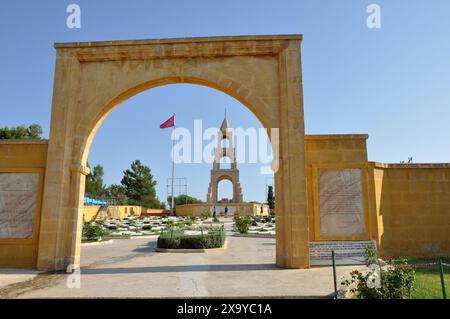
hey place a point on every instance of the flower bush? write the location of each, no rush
(394, 280)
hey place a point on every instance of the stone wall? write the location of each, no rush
(22, 172)
(339, 152)
(111, 212)
(413, 209)
(243, 209)
(407, 206)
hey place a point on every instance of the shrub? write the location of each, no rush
(242, 224)
(266, 219)
(93, 231)
(112, 227)
(146, 227)
(170, 224)
(169, 239)
(396, 281)
(370, 255)
(176, 239)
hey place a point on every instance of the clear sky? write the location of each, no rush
(392, 83)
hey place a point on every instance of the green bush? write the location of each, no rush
(176, 239)
(112, 227)
(192, 219)
(242, 224)
(169, 239)
(396, 281)
(146, 227)
(93, 231)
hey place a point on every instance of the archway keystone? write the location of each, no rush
(92, 78)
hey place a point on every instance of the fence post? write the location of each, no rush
(441, 271)
(334, 273)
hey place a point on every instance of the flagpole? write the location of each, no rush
(173, 166)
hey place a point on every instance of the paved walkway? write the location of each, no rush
(13, 276)
(132, 268)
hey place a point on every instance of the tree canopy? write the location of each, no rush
(140, 188)
(94, 183)
(116, 194)
(183, 199)
(32, 132)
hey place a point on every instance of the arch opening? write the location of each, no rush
(96, 123)
(225, 189)
(225, 162)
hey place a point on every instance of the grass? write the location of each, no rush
(428, 281)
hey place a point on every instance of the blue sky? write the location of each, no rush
(392, 83)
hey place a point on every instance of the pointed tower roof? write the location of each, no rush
(225, 125)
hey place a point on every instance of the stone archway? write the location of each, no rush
(91, 79)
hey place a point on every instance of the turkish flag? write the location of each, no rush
(169, 123)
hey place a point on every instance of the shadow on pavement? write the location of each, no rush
(188, 268)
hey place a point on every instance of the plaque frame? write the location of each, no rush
(34, 240)
(365, 199)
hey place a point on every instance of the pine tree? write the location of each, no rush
(140, 188)
(270, 197)
(94, 187)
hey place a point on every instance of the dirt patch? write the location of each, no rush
(41, 281)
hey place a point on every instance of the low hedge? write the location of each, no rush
(176, 239)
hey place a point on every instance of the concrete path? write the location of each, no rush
(132, 268)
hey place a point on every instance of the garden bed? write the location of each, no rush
(203, 239)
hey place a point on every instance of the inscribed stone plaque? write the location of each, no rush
(341, 210)
(346, 252)
(18, 195)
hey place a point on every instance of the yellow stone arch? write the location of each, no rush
(91, 79)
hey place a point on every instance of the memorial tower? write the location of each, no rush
(224, 149)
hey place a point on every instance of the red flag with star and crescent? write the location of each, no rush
(169, 123)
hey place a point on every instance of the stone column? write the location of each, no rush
(57, 214)
(290, 180)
